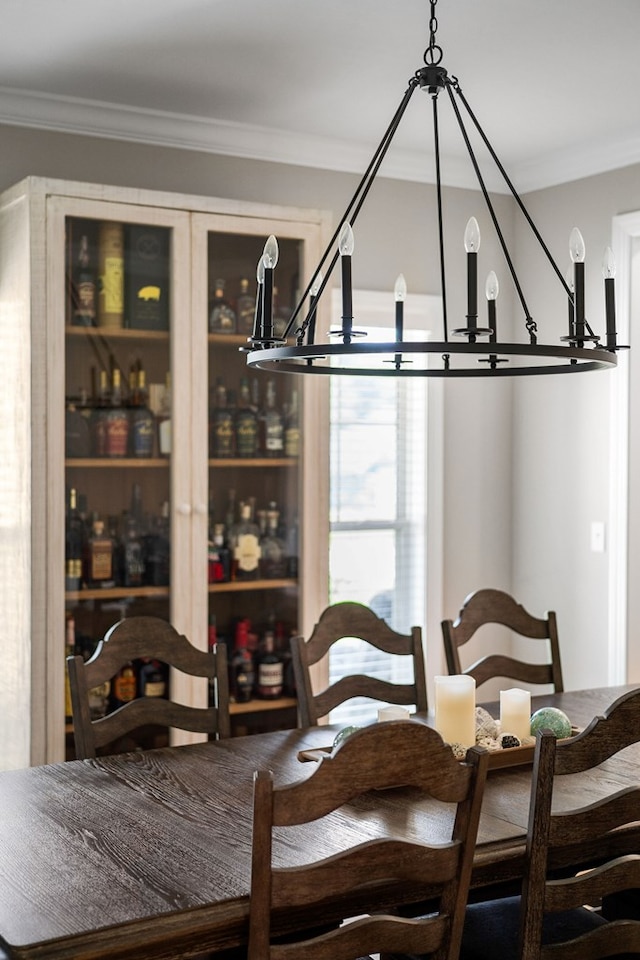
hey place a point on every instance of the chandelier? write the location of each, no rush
(471, 348)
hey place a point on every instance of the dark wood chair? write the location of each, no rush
(382, 756)
(572, 856)
(350, 619)
(490, 606)
(129, 640)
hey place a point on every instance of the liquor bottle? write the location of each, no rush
(84, 282)
(270, 671)
(273, 560)
(116, 420)
(246, 423)
(245, 545)
(74, 544)
(142, 429)
(157, 550)
(292, 428)
(152, 678)
(132, 561)
(164, 420)
(219, 557)
(123, 687)
(222, 317)
(223, 433)
(242, 672)
(111, 275)
(98, 420)
(273, 424)
(69, 651)
(99, 562)
(147, 277)
(245, 308)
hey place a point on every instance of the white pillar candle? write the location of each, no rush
(515, 712)
(456, 709)
(393, 713)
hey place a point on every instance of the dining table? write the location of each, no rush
(148, 854)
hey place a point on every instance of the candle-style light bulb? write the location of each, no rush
(492, 289)
(576, 246)
(608, 264)
(345, 248)
(609, 272)
(577, 252)
(260, 270)
(346, 242)
(400, 293)
(472, 236)
(270, 253)
(313, 296)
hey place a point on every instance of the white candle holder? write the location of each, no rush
(393, 712)
(515, 712)
(456, 709)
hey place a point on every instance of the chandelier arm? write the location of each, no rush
(443, 281)
(528, 319)
(517, 198)
(355, 205)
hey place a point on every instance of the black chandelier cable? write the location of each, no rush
(474, 355)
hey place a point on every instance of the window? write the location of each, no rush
(378, 502)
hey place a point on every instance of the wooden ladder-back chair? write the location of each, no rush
(307, 895)
(494, 606)
(129, 640)
(573, 857)
(350, 619)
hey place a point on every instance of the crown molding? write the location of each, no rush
(75, 115)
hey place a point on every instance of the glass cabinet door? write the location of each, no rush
(119, 443)
(254, 471)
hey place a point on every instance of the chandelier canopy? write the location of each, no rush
(471, 349)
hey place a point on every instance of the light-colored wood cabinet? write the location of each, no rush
(50, 364)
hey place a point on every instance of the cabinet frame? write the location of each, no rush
(32, 310)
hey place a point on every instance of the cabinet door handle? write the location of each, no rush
(185, 509)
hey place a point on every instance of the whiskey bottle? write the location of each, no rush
(74, 544)
(111, 275)
(147, 277)
(245, 545)
(273, 424)
(223, 438)
(142, 427)
(242, 673)
(84, 312)
(152, 678)
(222, 317)
(270, 670)
(132, 563)
(123, 687)
(98, 419)
(246, 423)
(99, 561)
(292, 428)
(273, 560)
(219, 557)
(245, 309)
(116, 420)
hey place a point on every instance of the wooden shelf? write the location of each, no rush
(258, 462)
(230, 339)
(106, 463)
(116, 593)
(235, 586)
(117, 333)
(260, 706)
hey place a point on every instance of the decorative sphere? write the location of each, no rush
(551, 718)
(342, 735)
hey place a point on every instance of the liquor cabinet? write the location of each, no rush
(146, 470)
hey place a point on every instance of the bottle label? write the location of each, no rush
(274, 438)
(85, 313)
(292, 442)
(101, 560)
(223, 435)
(113, 285)
(247, 552)
(247, 436)
(117, 434)
(154, 688)
(124, 687)
(143, 435)
(270, 678)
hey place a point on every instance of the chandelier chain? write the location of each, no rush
(433, 53)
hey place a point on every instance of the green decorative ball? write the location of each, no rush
(342, 735)
(550, 718)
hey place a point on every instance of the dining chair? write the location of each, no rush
(349, 619)
(573, 857)
(288, 902)
(489, 606)
(129, 640)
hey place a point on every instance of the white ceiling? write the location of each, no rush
(555, 83)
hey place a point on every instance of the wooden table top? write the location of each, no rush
(149, 853)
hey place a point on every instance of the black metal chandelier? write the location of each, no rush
(470, 350)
